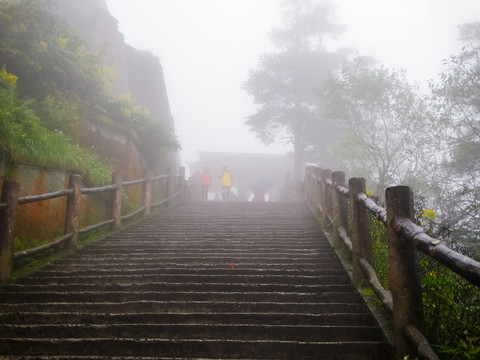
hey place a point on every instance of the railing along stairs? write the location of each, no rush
(345, 210)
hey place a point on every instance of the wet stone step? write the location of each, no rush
(215, 349)
(100, 297)
(186, 307)
(169, 287)
(196, 331)
(286, 268)
(254, 279)
(240, 269)
(236, 270)
(333, 319)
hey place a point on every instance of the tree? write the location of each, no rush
(386, 128)
(457, 103)
(285, 82)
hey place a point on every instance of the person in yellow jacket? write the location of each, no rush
(226, 177)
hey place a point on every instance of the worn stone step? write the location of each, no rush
(216, 349)
(337, 319)
(210, 261)
(236, 271)
(195, 331)
(224, 296)
(172, 286)
(213, 260)
(221, 278)
(186, 307)
(240, 269)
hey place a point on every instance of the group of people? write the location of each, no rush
(225, 177)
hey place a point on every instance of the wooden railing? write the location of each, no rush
(328, 197)
(10, 200)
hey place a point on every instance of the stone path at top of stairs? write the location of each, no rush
(206, 280)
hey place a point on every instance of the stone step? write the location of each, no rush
(221, 278)
(170, 268)
(168, 287)
(186, 307)
(195, 331)
(190, 349)
(237, 270)
(224, 296)
(332, 319)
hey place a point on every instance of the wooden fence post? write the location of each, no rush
(339, 208)
(405, 283)
(116, 201)
(359, 227)
(182, 183)
(169, 185)
(326, 196)
(72, 212)
(10, 192)
(308, 184)
(287, 187)
(317, 192)
(147, 193)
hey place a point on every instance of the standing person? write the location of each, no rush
(226, 177)
(206, 182)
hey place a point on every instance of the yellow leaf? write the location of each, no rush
(62, 42)
(429, 214)
(8, 79)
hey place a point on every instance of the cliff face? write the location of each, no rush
(139, 73)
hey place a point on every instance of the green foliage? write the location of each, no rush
(154, 138)
(452, 311)
(35, 44)
(24, 139)
(379, 252)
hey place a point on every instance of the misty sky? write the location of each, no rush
(207, 47)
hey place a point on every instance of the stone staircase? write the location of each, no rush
(208, 280)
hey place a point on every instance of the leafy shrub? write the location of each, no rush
(379, 255)
(452, 311)
(24, 139)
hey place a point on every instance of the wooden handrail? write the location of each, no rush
(379, 212)
(10, 200)
(416, 236)
(43, 197)
(86, 191)
(133, 182)
(464, 266)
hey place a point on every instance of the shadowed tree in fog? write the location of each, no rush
(284, 84)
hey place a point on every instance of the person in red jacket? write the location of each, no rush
(206, 182)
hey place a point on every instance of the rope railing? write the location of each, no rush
(175, 186)
(326, 194)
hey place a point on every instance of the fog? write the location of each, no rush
(207, 47)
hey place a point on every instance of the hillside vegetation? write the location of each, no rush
(50, 81)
